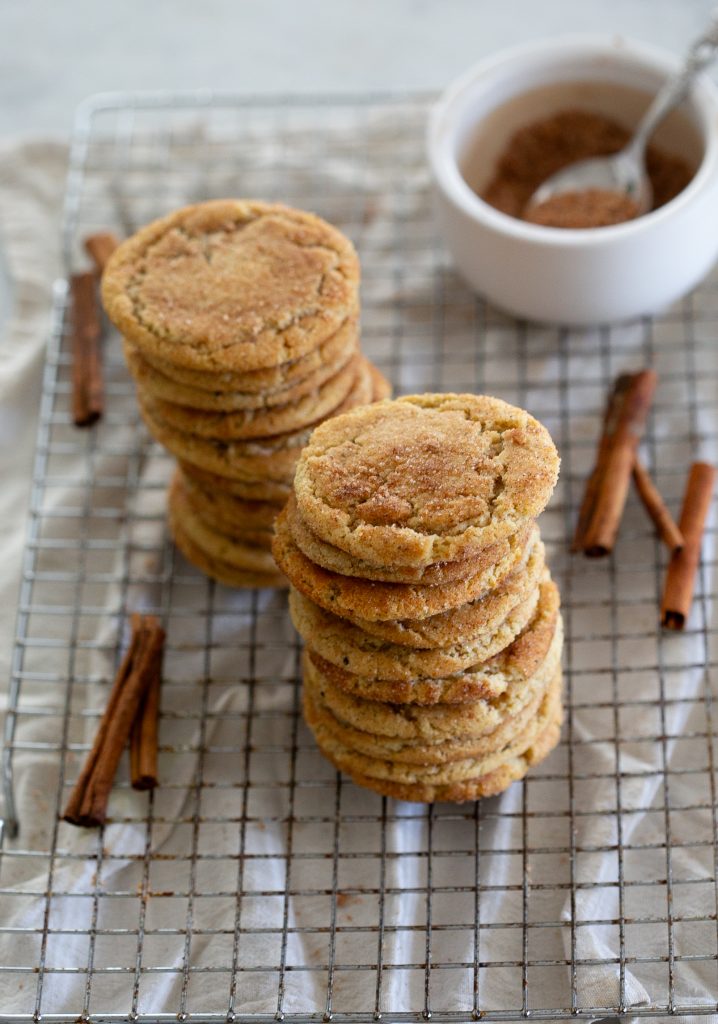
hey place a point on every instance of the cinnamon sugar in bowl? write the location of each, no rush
(621, 267)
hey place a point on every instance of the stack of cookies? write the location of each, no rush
(433, 637)
(240, 325)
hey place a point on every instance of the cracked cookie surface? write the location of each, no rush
(232, 284)
(425, 478)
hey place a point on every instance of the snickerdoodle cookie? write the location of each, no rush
(245, 549)
(219, 570)
(271, 458)
(226, 512)
(370, 599)
(326, 358)
(482, 615)
(232, 285)
(515, 664)
(345, 645)
(469, 778)
(249, 488)
(462, 737)
(426, 478)
(162, 386)
(336, 560)
(245, 424)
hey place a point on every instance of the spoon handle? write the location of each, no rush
(700, 55)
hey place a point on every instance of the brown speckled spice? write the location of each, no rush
(590, 208)
(540, 149)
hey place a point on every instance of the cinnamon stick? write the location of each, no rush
(656, 507)
(595, 479)
(87, 386)
(143, 741)
(607, 487)
(100, 247)
(87, 804)
(683, 566)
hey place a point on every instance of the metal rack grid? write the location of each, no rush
(256, 883)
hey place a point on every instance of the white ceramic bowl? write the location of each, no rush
(572, 276)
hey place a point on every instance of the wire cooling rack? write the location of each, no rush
(256, 883)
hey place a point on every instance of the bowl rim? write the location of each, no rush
(448, 176)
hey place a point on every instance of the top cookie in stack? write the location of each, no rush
(432, 628)
(240, 322)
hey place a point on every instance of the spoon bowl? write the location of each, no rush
(618, 174)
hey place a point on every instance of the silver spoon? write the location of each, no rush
(625, 172)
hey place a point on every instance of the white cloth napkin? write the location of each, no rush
(32, 181)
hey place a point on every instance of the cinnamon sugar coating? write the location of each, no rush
(232, 284)
(468, 779)
(425, 478)
(265, 421)
(352, 598)
(543, 147)
(269, 380)
(513, 666)
(336, 560)
(165, 387)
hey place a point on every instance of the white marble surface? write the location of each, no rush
(54, 54)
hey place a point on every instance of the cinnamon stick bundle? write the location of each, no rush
(100, 247)
(87, 804)
(683, 566)
(87, 385)
(607, 487)
(657, 509)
